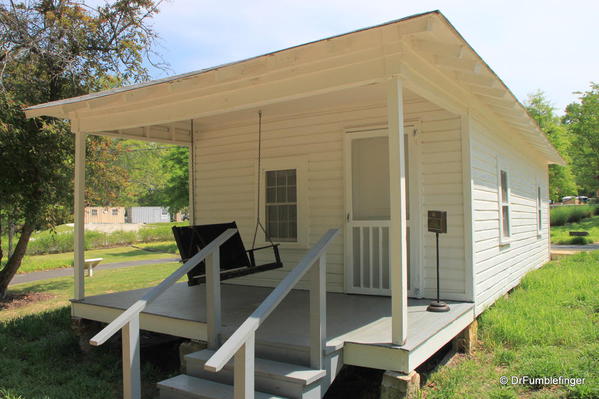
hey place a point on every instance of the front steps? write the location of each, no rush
(273, 379)
(188, 387)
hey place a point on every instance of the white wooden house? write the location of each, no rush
(361, 135)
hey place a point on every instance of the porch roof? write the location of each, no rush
(425, 50)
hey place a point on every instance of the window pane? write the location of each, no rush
(505, 213)
(281, 178)
(293, 230)
(271, 195)
(271, 178)
(283, 213)
(291, 190)
(272, 230)
(504, 188)
(281, 194)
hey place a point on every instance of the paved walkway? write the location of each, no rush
(588, 247)
(68, 271)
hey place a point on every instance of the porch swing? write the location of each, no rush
(235, 260)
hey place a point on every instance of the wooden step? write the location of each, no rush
(274, 377)
(187, 387)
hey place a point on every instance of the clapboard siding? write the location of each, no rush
(226, 167)
(497, 267)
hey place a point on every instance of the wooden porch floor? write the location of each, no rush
(359, 324)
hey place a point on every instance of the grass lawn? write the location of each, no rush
(40, 355)
(559, 234)
(35, 263)
(547, 327)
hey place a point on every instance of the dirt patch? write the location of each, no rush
(15, 301)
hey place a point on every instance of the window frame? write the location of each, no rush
(278, 203)
(539, 204)
(300, 165)
(503, 239)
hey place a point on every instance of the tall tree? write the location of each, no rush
(52, 49)
(582, 119)
(561, 179)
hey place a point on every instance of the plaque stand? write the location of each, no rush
(438, 306)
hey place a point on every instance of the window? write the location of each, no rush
(115, 212)
(504, 200)
(94, 212)
(539, 211)
(164, 212)
(281, 205)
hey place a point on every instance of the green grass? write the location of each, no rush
(40, 355)
(548, 326)
(559, 234)
(110, 255)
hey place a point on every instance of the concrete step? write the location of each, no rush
(187, 387)
(278, 378)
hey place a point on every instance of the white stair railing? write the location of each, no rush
(128, 321)
(241, 344)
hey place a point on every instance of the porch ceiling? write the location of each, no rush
(425, 50)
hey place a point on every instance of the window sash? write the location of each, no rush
(539, 210)
(281, 205)
(504, 209)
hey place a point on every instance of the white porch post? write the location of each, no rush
(213, 296)
(79, 207)
(190, 171)
(397, 229)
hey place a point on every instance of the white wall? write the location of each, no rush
(225, 179)
(498, 268)
(441, 189)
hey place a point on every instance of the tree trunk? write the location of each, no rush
(14, 262)
(11, 234)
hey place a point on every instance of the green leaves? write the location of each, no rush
(582, 119)
(561, 178)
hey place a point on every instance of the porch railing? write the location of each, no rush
(242, 343)
(128, 321)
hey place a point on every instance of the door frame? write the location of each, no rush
(415, 222)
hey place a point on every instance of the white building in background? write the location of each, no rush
(147, 214)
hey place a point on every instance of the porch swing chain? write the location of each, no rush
(258, 222)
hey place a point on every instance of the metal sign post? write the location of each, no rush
(437, 223)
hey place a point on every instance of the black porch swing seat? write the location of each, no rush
(235, 260)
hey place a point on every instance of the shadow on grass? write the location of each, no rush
(41, 358)
(44, 286)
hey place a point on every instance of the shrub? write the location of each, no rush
(120, 237)
(49, 242)
(560, 215)
(155, 233)
(580, 241)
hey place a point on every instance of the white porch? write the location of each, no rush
(357, 325)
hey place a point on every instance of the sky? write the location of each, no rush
(532, 45)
